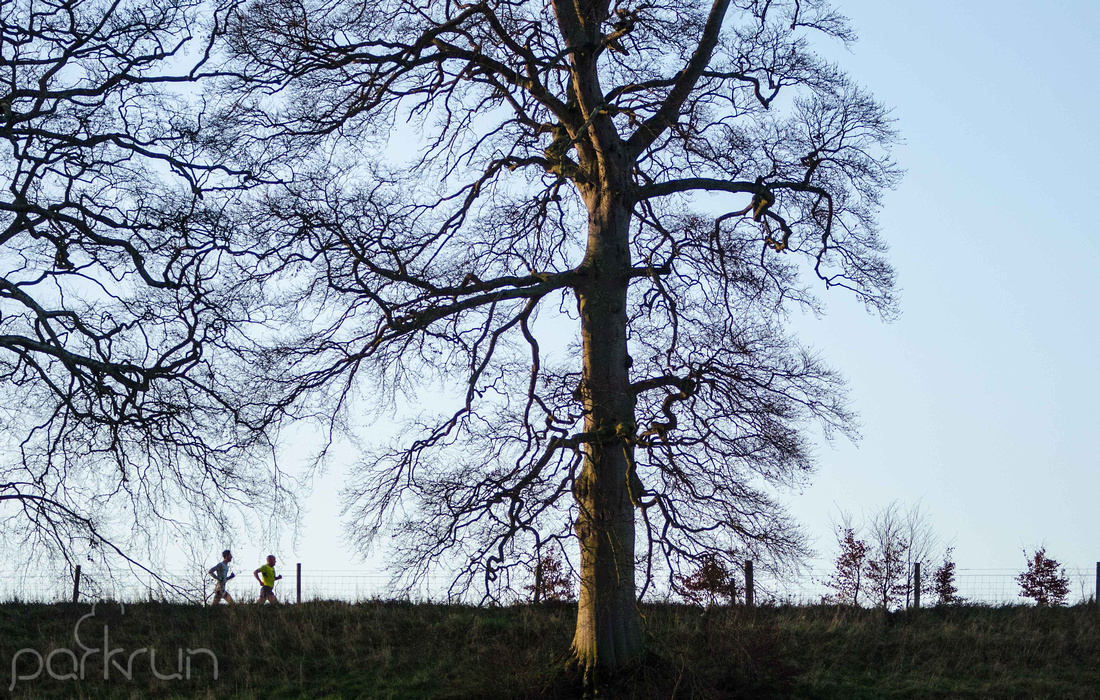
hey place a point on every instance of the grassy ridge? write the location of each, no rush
(393, 650)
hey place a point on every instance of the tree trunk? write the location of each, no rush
(609, 632)
(538, 578)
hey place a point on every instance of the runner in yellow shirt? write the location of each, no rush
(267, 578)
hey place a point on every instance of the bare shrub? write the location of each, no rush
(1045, 580)
(880, 563)
(553, 581)
(847, 579)
(710, 584)
(887, 574)
(943, 581)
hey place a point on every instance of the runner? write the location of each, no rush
(267, 582)
(221, 574)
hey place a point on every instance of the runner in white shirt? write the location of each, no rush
(221, 575)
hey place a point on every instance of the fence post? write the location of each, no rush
(299, 582)
(749, 596)
(76, 584)
(1097, 598)
(916, 585)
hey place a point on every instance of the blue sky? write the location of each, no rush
(980, 400)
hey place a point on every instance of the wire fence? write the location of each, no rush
(975, 586)
(197, 587)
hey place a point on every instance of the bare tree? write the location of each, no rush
(882, 563)
(923, 546)
(887, 574)
(609, 211)
(113, 304)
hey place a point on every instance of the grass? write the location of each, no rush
(396, 650)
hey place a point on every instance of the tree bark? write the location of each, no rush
(609, 632)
